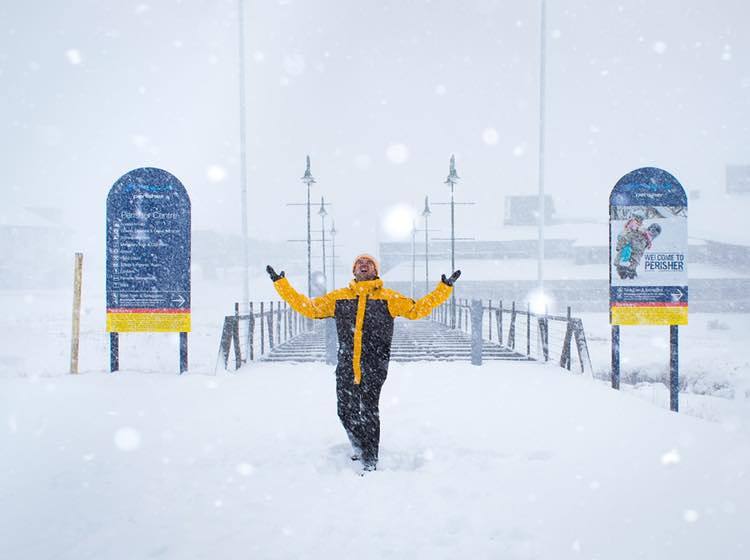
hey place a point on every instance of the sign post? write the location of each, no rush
(615, 356)
(148, 258)
(648, 282)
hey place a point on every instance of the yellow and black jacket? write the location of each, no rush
(364, 313)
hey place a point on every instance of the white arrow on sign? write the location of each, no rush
(179, 300)
(677, 296)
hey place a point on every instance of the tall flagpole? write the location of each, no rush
(541, 209)
(413, 257)
(243, 155)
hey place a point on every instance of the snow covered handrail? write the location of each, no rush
(263, 325)
(554, 333)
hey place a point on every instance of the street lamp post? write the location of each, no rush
(451, 180)
(243, 155)
(333, 255)
(308, 179)
(322, 213)
(541, 209)
(426, 215)
(413, 257)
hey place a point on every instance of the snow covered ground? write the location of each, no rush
(714, 364)
(504, 461)
(35, 334)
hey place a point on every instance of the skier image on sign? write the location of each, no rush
(364, 312)
(631, 244)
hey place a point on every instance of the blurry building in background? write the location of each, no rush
(738, 179)
(215, 253)
(521, 210)
(576, 270)
(36, 248)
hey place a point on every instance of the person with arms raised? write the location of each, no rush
(364, 312)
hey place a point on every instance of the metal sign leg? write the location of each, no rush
(114, 351)
(183, 352)
(615, 356)
(674, 369)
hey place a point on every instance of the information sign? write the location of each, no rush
(148, 253)
(648, 250)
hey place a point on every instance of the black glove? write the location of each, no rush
(272, 273)
(452, 280)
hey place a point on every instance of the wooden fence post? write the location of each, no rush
(286, 322)
(236, 337)
(75, 337)
(544, 335)
(270, 325)
(565, 355)
(476, 332)
(500, 322)
(489, 317)
(251, 330)
(226, 340)
(248, 355)
(278, 323)
(528, 329)
(262, 331)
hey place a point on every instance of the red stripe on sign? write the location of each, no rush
(650, 304)
(123, 310)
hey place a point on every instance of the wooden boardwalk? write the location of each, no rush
(423, 340)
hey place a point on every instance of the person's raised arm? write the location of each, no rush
(402, 306)
(316, 308)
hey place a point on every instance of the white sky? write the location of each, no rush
(92, 89)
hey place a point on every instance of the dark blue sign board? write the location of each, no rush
(648, 276)
(148, 253)
(148, 247)
(648, 186)
(648, 249)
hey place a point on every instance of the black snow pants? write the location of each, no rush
(358, 410)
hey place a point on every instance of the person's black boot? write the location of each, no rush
(356, 447)
(369, 464)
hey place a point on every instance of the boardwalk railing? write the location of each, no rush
(258, 330)
(542, 337)
(254, 333)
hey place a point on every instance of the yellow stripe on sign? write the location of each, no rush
(650, 315)
(148, 322)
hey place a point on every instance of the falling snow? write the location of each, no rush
(515, 458)
(74, 56)
(216, 173)
(490, 136)
(397, 153)
(670, 458)
(659, 47)
(127, 439)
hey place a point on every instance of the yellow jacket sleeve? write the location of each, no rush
(316, 308)
(402, 306)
